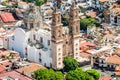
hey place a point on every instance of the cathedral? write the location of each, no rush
(47, 47)
(65, 44)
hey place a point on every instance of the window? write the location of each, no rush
(77, 29)
(5, 39)
(34, 37)
(41, 39)
(59, 63)
(48, 42)
(40, 54)
(59, 33)
(13, 37)
(76, 48)
(28, 39)
(31, 25)
(59, 59)
(76, 44)
(59, 53)
(40, 60)
(26, 51)
(59, 49)
(76, 57)
(38, 24)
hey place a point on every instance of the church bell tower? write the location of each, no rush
(57, 40)
(74, 32)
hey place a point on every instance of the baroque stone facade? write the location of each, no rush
(65, 44)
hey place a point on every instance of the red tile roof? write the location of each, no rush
(2, 68)
(105, 78)
(84, 45)
(7, 17)
(6, 63)
(15, 75)
(115, 59)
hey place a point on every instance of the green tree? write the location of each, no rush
(47, 74)
(94, 73)
(70, 64)
(78, 74)
(39, 2)
(84, 23)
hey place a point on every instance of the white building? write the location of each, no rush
(23, 5)
(47, 46)
(115, 14)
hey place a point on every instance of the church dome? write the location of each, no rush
(32, 13)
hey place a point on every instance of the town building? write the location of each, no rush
(115, 14)
(14, 75)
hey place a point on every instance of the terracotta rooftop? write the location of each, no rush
(105, 78)
(117, 71)
(7, 17)
(14, 75)
(48, 11)
(6, 63)
(113, 59)
(103, 0)
(2, 68)
(116, 10)
(31, 68)
(117, 51)
(47, 4)
(84, 45)
(110, 36)
(85, 54)
(22, 2)
(92, 14)
(2, 30)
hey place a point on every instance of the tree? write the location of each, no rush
(78, 74)
(95, 74)
(70, 64)
(84, 23)
(39, 2)
(48, 74)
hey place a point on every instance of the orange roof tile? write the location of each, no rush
(117, 51)
(117, 70)
(103, 0)
(6, 63)
(7, 17)
(48, 11)
(116, 10)
(105, 78)
(2, 30)
(14, 75)
(92, 14)
(2, 68)
(113, 59)
(23, 3)
(31, 68)
(110, 36)
(85, 54)
(47, 4)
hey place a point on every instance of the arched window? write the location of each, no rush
(34, 37)
(31, 25)
(26, 51)
(48, 42)
(41, 39)
(59, 33)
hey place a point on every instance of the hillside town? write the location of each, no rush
(59, 39)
